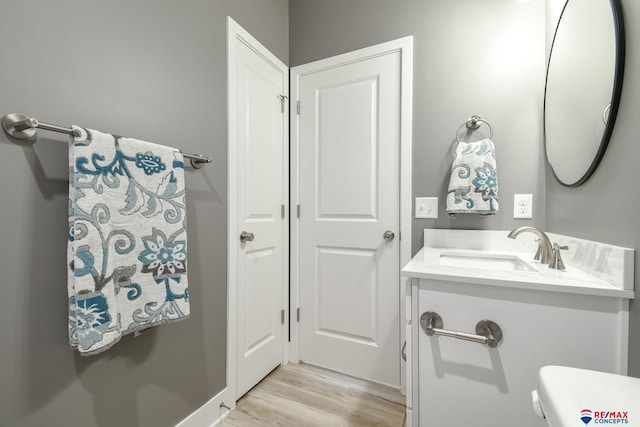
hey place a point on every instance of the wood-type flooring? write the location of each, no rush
(299, 395)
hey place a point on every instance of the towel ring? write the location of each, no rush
(474, 123)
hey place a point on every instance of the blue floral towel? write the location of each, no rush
(473, 187)
(127, 248)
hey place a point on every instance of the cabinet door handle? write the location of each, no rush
(487, 331)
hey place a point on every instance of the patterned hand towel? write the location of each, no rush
(473, 187)
(127, 248)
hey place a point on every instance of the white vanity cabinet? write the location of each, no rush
(462, 383)
(546, 318)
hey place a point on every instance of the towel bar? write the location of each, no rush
(487, 331)
(19, 126)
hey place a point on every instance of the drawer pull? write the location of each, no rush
(487, 331)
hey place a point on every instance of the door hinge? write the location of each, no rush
(282, 316)
(298, 211)
(298, 314)
(298, 106)
(282, 211)
(283, 98)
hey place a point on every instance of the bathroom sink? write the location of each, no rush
(484, 260)
(489, 258)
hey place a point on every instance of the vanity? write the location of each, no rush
(463, 284)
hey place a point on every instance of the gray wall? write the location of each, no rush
(606, 207)
(468, 59)
(155, 70)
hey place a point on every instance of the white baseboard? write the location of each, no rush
(211, 413)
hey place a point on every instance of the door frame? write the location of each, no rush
(405, 47)
(236, 33)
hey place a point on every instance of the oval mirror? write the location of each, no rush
(582, 91)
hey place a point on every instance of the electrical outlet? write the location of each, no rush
(426, 207)
(523, 206)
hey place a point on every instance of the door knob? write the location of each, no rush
(388, 235)
(246, 236)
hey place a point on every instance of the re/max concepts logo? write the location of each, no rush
(604, 417)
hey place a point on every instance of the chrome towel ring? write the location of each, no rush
(473, 123)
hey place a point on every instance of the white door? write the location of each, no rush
(257, 159)
(349, 134)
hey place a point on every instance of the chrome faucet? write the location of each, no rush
(545, 250)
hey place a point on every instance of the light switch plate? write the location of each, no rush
(426, 207)
(523, 206)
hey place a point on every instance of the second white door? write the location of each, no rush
(258, 188)
(348, 148)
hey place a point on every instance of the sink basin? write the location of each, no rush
(486, 261)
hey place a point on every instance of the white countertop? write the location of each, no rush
(426, 265)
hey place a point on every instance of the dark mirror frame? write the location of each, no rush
(618, 24)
